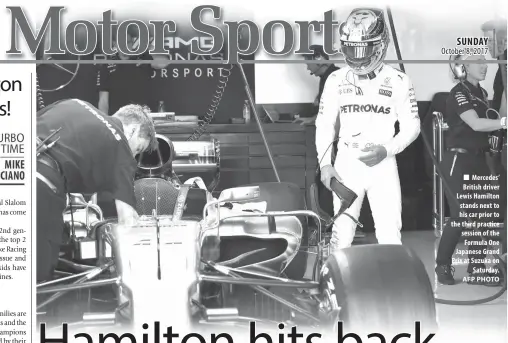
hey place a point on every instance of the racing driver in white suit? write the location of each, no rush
(367, 98)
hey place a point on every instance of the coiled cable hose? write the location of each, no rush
(216, 99)
(40, 99)
(208, 118)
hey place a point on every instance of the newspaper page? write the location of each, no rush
(263, 171)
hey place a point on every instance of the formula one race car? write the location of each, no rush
(196, 260)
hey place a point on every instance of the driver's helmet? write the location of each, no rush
(364, 40)
(157, 163)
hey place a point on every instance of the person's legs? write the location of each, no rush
(453, 166)
(351, 171)
(456, 166)
(50, 206)
(385, 201)
(476, 269)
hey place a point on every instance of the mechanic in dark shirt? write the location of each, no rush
(467, 142)
(322, 71)
(123, 84)
(93, 153)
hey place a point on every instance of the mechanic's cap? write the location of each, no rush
(317, 54)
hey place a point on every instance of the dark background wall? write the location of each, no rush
(193, 95)
(186, 89)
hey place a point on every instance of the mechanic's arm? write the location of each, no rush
(326, 120)
(160, 61)
(467, 113)
(104, 102)
(103, 80)
(408, 118)
(122, 190)
(127, 215)
(305, 120)
(309, 120)
(470, 117)
(502, 109)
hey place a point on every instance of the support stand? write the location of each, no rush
(258, 121)
(438, 213)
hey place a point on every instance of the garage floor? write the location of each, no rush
(483, 319)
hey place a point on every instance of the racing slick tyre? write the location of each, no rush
(377, 288)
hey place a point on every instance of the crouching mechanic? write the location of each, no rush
(92, 153)
(365, 99)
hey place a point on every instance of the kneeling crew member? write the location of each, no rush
(467, 143)
(93, 153)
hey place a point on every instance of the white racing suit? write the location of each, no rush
(367, 110)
